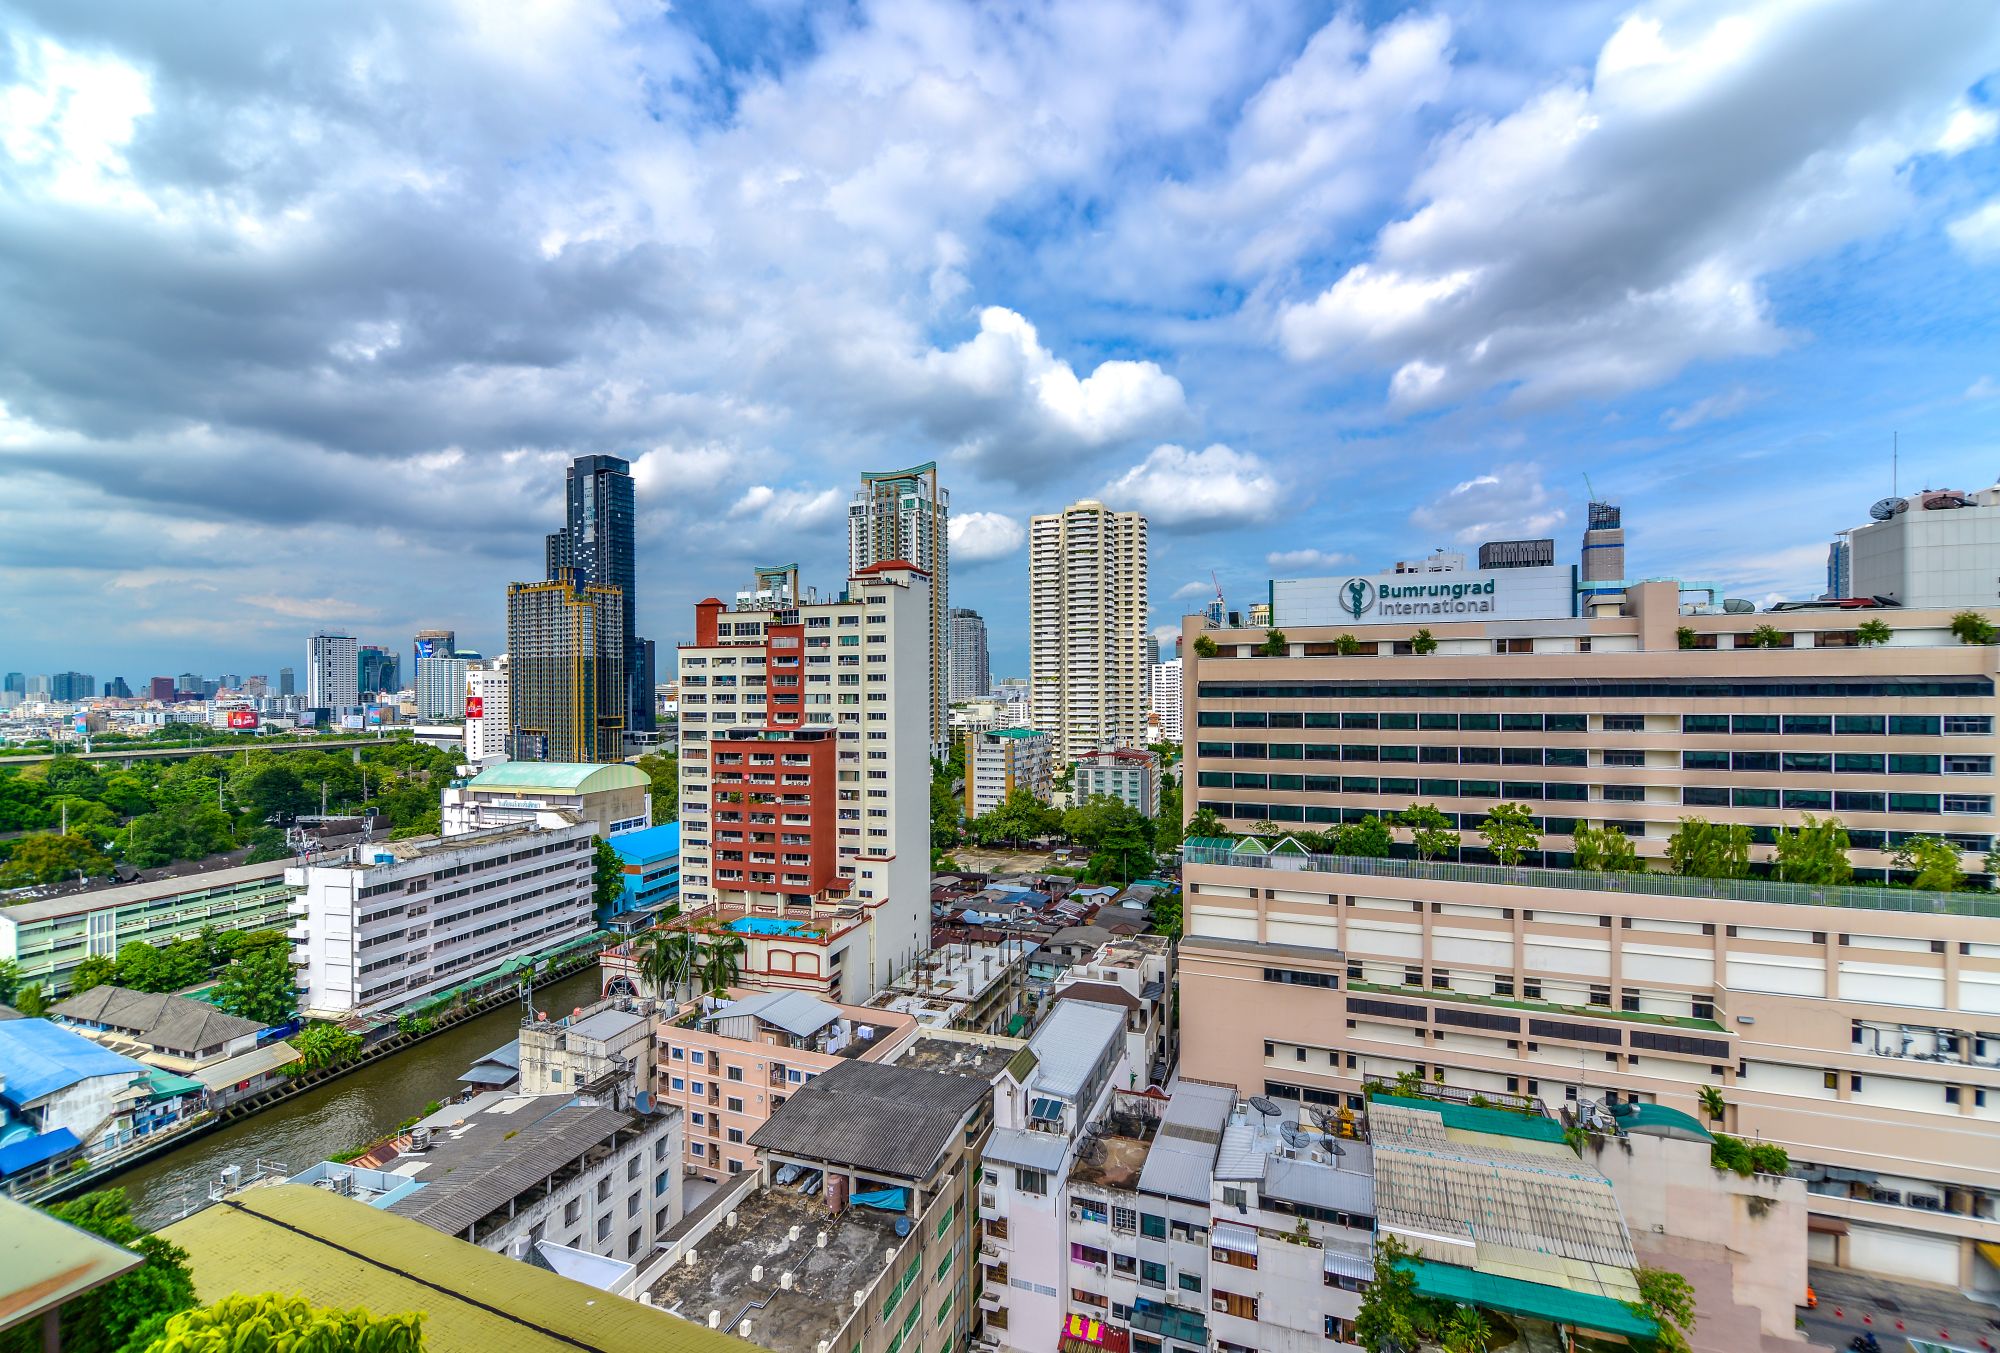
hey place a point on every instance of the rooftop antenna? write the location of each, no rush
(1895, 462)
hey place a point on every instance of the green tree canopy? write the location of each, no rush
(270, 1323)
(1603, 850)
(1711, 850)
(322, 1045)
(1369, 838)
(1510, 832)
(1813, 852)
(1970, 627)
(93, 971)
(1935, 862)
(1018, 817)
(260, 985)
(1430, 831)
(49, 857)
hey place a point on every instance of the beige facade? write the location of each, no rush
(1002, 760)
(1857, 1027)
(1087, 628)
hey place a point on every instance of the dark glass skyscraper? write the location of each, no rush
(597, 541)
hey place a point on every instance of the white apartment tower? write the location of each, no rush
(441, 687)
(805, 777)
(486, 711)
(905, 515)
(1167, 698)
(1087, 628)
(333, 672)
(969, 670)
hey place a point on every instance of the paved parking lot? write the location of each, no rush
(1850, 1303)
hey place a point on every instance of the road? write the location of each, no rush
(141, 752)
(1852, 1303)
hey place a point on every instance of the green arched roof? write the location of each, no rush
(561, 777)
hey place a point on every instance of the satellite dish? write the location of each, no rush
(1887, 508)
(1265, 1106)
(1294, 1135)
(1737, 606)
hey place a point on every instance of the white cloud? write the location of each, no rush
(1189, 591)
(979, 536)
(1983, 388)
(1509, 503)
(1168, 637)
(1967, 129)
(1724, 404)
(1293, 561)
(1214, 487)
(1977, 233)
(788, 508)
(1605, 234)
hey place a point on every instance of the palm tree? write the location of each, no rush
(721, 960)
(668, 959)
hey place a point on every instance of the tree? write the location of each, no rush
(139, 966)
(1766, 636)
(1423, 642)
(272, 791)
(1711, 850)
(10, 980)
(1970, 627)
(260, 985)
(1603, 850)
(32, 1000)
(1018, 817)
(92, 971)
(1204, 647)
(1392, 1315)
(1430, 831)
(1370, 838)
(664, 770)
(668, 960)
(282, 1324)
(322, 1045)
(1935, 862)
(947, 809)
(1510, 832)
(1685, 636)
(1274, 645)
(1206, 823)
(266, 844)
(48, 857)
(1466, 1332)
(721, 960)
(1346, 645)
(1667, 1299)
(107, 1319)
(1813, 852)
(1712, 1102)
(608, 878)
(1872, 632)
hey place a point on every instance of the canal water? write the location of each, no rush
(338, 1116)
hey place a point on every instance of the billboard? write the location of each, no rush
(374, 716)
(475, 707)
(242, 718)
(1533, 593)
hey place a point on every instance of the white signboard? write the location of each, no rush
(1404, 598)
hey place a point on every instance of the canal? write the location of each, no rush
(340, 1115)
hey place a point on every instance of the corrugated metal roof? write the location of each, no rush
(246, 1066)
(38, 1058)
(1350, 1187)
(1516, 1296)
(796, 1012)
(880, 1119)
(1183, 1153)
(157, 1019)
(1036, 1150)
(508, 1168)
(1069, 1044)
(570, 777)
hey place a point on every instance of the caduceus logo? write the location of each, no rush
(1359, 594)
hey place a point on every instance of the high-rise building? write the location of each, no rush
(1839, 569)
(188, 683)
(566, 670)
(487, 702)
(969, 667)
(905, 515)
(1938, 548)
(432, 644)
(1832, 1018)
(1002, 760)
(286, 683)
(117, 689)
(1603, 559)
(38, 684)
(441, 687)
(1152, 650)
(161, 688)
(379, 671)
(1166, 689)
(1087, 627)
(332, 667)
(64, 686)
(14, 684)
(805, 777)
(598, 541)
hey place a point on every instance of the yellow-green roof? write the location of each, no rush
(338, 1252)
(565, 777)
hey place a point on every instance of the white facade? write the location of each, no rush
(333, 673)
(1003, 760)
(865, 681)
(1167, 699)
(486, 731)
(905, 515)
(1931, 553)
(1087, 627)
(1439, 588)
(441, 687)
(1126, 774)
(379, 926)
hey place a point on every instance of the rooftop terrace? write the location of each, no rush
(935, 1050)
(739, 1272)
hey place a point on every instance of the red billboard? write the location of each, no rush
(475, 707)
(242, 718)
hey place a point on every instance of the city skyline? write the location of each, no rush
(1233, 301)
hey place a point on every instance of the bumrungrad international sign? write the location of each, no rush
(1417, 600)
(1533, 593)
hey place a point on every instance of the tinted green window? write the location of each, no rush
(1156, 1227)
(1396, 784)
(1250, 751)
(1479, 789)
(1322, 751)
(1324, 784)
(1704, 760)
(1399, 753)
(1811, 763)
(1857, 763)
(1213, 779)
(1521, 756)
(1354, 719)
(1860, 725)
(1698, 796)
(1288, 751)
(1438, 721)
(1473, 723)
(1811, 725)
(1358, 751)
(1481, 756)
(1321, 720)
(1755, 798)
(1354, 784)
(1213, 718)
(1288, 782)
(1252, 718)
(1755, 723)
(1249, 780)
(1704, 723)
(1754, 761)
(1566, 756)
(1809, 800)
(1213, 749)
(1438, 756)
(1443, 789)
(1404, 720)
(1567, 723)
(1912, 765)
(1521, 789)
(1280, 719)
(1919, 725)
(1913, 803)
(1521, 723)
(1848, 801)
(1556, 790)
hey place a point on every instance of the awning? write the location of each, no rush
(1227, 1235)
(489, 1075)
(32, 1151)
(1826, 1226)
(1989, 1251)
(1034, 1150)
(1342, 1264)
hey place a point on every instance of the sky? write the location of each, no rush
(304, 307)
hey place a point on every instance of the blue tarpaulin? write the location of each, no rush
(886, 1200)
(32, 1151)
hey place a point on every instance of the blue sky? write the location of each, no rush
(303, 308)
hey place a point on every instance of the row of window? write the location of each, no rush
(1691, 796)
(1802, 763)
(1575, 690)
(1788, 725)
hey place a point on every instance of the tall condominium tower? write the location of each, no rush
(72, 686)
(332, 669)
(441, 687)
(905, 515)
(805, 783)
(566, 670)
(597, 541)
(971, 674)
(379, 671)
(487, 702)
(1087, 628)
(1840, 568)
(432, 644)
(287, 684)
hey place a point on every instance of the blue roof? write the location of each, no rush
(38, 1059)
(18, 1156)
(648, 843)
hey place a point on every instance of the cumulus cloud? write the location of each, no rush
(977, 537)
(1983, 388)
(1291, 561)
(1508, 503)
(1606, 234)
(787, 508)
(1711, 408)
(1189, 591)
(1977, 233)
(1198, 490)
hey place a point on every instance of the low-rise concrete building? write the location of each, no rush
(1001, 760)
(974, 985)
(652, 891)
(61, 1095)
(171, 1032)
(613, 796)
(1135, 973)
(597, 1050)
(1128, 774)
